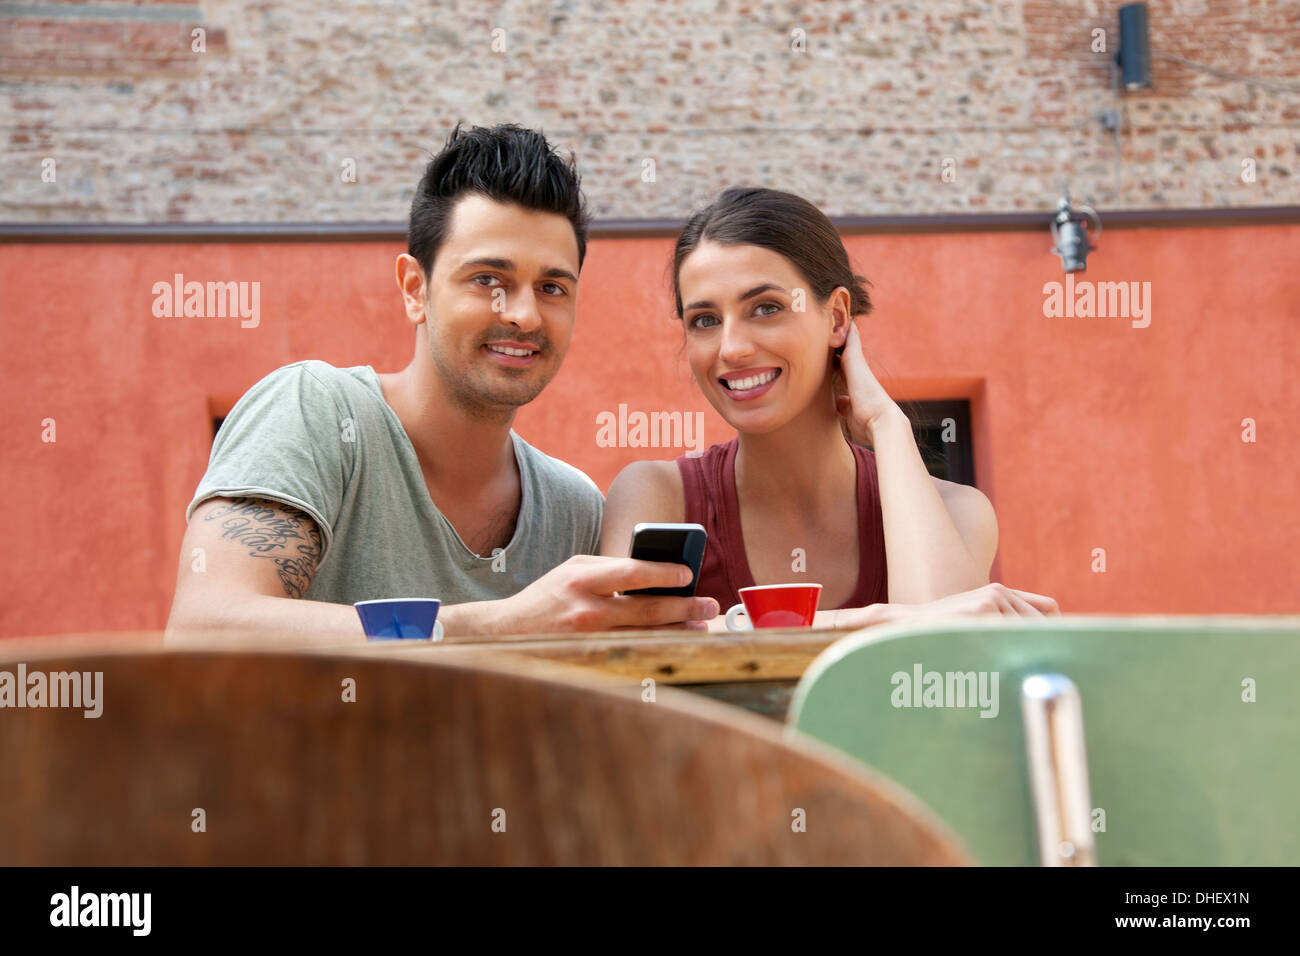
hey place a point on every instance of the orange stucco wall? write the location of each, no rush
(1089, 433)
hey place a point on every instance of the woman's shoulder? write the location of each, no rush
(954, 493)
(958, 498)
(669, 473)
(650, 471)
(710, 457)
(656, 487)
(973, 515)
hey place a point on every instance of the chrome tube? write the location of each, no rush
(1058, 770)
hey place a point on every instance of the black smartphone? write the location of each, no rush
(674, 543)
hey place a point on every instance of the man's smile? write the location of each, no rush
(513, 354)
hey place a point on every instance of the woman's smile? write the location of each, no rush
(748, 384)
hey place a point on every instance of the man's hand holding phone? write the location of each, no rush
(589, 593)
(671, 544)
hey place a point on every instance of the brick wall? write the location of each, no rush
(856, 105)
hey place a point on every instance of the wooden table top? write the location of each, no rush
(671, 657)
(666, 657)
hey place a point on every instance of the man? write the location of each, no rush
(340, 485)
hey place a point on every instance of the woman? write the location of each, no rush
(767, 298)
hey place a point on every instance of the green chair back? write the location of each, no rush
(1192, 729)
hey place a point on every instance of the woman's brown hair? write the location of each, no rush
(786, 224)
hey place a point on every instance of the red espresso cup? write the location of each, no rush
(775, 605)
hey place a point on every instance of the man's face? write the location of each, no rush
(502, 301)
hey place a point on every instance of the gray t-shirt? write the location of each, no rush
(323, 440)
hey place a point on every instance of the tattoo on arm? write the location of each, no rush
(286, 536)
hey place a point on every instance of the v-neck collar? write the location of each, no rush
(525, 491)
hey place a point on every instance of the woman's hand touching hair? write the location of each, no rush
(864, 401)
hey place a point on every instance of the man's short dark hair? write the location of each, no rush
(505, 163)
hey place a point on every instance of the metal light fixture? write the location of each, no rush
(1070, 233)
(1134, 55)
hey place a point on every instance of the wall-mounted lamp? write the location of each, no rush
(1134, 55)
(1132, 68)
(1070, 233)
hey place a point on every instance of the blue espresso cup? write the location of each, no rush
(404, 619)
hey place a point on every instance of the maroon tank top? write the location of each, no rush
(709, 485)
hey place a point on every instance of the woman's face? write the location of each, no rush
(757, 339)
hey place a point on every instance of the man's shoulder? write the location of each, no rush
(306, 397)
(311, 381)
(559, 477)
(351, 379)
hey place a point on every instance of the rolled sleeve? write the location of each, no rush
(287, 439)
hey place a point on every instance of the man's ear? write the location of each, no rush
(411, 282)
